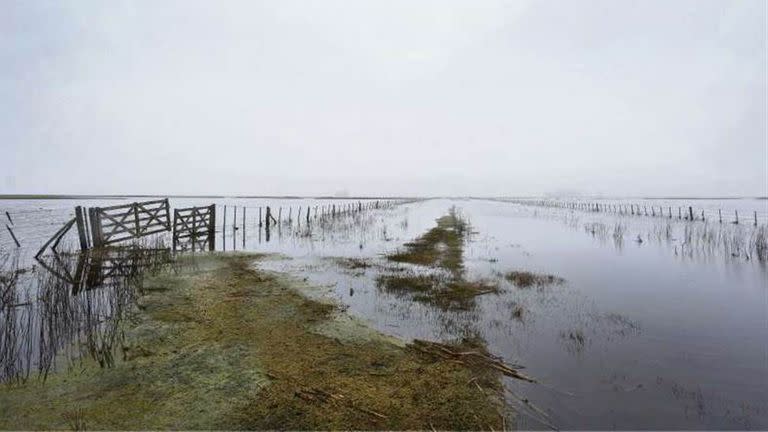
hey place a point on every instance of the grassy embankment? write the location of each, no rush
(223, 346)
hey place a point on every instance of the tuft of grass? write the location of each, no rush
(526, 279)
(445, 293)
(354, 263)
(518, 312)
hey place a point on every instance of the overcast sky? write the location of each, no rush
(391, 97)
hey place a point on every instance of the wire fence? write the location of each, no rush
(710, 212)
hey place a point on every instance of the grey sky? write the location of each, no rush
(391, 97)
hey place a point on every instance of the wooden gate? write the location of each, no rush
(128, 221)
(194, 228)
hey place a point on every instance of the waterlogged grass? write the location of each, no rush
(223, 346)
(445, 293)
(526, 279)
(441, 246)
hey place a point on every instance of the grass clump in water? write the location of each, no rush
(526, 279)
(441, 246)
(445, 293)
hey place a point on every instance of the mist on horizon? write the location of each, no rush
(385, 98)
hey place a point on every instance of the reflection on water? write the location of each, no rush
(653, 326)
(634, 338)
(69, 308)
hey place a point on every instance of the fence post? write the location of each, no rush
(173, 233)
(690, 213)
(137, 230)
(13, 236)
(95, 226)
(224, 229)
(212, 228)
(737, 217)
(81, 228)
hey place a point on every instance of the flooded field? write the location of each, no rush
(623, 322)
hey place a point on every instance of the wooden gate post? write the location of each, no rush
(212, 228)
(81, 228)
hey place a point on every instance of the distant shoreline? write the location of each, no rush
(122, 197)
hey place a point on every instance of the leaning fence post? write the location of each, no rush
(13, 236)
(8, 215)
(690, 213)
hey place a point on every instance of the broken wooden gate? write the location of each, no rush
(194, 228)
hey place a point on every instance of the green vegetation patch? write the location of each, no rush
(445, 293)
(441, 246)
(224, 346)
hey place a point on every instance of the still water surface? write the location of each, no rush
(640, 336)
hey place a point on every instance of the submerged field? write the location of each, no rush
(457, 314)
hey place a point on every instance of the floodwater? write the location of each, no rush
(665, 332)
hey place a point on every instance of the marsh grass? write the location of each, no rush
(441, 246)
(442, 283)
(446, 293)
(526, 279)
(71, 307)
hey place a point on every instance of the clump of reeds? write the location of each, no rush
(526, 279)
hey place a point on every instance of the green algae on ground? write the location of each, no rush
(226, 347)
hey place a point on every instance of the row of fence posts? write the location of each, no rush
(266, 218)
(635, 210)
(266, 215)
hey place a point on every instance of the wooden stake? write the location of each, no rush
(81, 233)
(13, 236)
